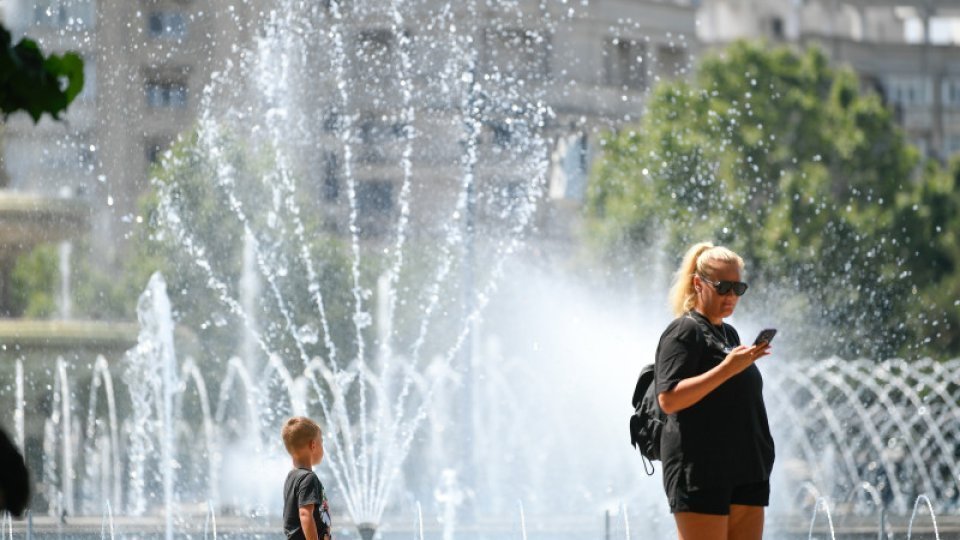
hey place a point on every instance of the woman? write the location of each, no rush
(716, 446)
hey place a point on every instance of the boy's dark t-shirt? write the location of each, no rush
(724, 439)
(302, 488)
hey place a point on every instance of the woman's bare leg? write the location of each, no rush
(694, 526)
(746, 522)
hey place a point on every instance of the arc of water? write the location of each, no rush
(893, 411)
(6, 525)
(866, 421)
(236, 371)
(483, 298)
(190, 372)
(275, 365)
(62, 417)
(932, 429)
(171, 221)
(939, 381)
(454, 238)
(797, 421)
(409, 134)
(822, 501)
(420, 520)
(834, 425)
(378, 386)
(878, 503)
(211, 519)
(913, 516)
(877, 500)
(408, 117)
(472, 104)
(810, 489)
(523, 521)
(285, 189)
(18, 418)
(626, 521)
(226, 179)
(106, 522)
(346, 137)
(102, 376)
(340, 419)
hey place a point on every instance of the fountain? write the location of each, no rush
(891, 425)
(345, 219)
(367, 386)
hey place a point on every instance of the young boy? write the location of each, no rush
(306, 515)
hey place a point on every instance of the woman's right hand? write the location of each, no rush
(740, 358)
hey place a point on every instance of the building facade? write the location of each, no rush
(148, 61)
(906, 51)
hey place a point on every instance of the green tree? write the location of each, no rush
(782, 157)
(35, 278)
(36, 83)
(187, 190)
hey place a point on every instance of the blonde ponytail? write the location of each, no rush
(700, 259)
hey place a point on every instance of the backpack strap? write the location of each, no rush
(647, 465)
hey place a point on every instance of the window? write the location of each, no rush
(951, 92)
(332, 123)
(167, 25)
(330, 190)
(66, 14)
(375, 66)
(154, 148)
(776, 28)
(909, 90)
(568, 171)
(624, 64)
(374, 206)
(671, 61)
(377, 136)
(952, 145)
(89, 92)
(373, 54)
(374, 45)
(501, 134)
(166, 94)
(517, 53)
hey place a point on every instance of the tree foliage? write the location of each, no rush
(36, 83)
(783, 158)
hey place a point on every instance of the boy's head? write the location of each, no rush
(303, 439)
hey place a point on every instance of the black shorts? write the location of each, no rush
(717, 500)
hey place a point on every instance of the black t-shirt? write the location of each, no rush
(302, 488)
(724, 439)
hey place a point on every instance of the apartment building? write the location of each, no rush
(147, 61)
(908, 51)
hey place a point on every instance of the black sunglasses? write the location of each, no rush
(724, 287)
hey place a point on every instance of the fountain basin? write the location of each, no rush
(69, 335)
(27, 219)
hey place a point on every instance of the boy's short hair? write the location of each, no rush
(298, 431)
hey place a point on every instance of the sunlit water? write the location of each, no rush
(552, 362)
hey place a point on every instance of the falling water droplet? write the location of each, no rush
(362, 319)
(308, 334)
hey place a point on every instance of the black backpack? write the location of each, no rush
(647, 420)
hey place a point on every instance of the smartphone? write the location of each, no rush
(766, 336)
